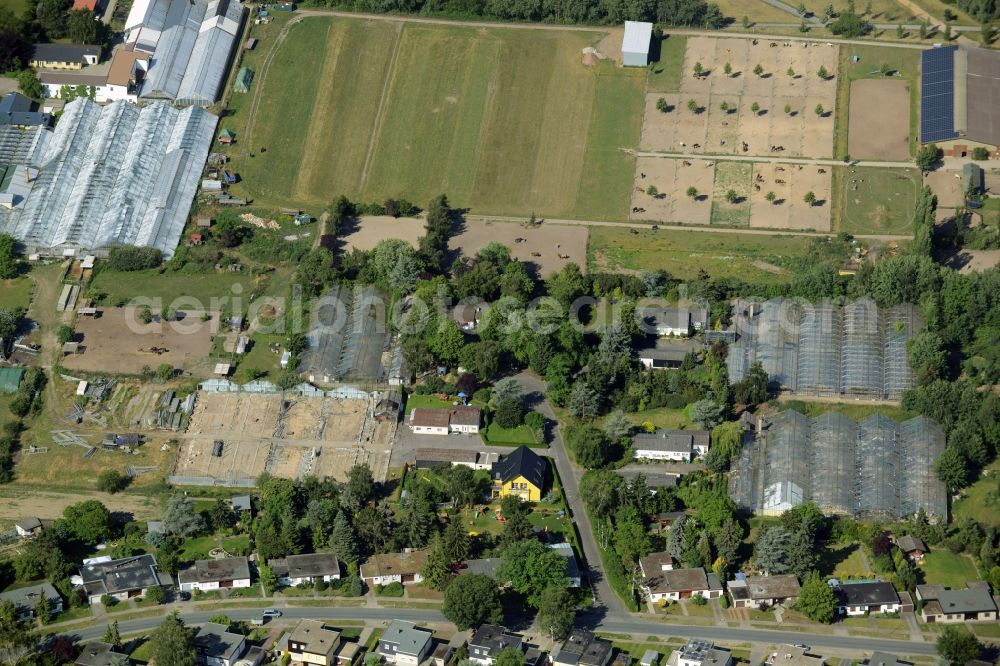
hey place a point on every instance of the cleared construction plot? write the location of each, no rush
(873, 469)
(694, 121)
(116, 342)
(504, 120)
(235, 436)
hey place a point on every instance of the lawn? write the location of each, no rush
(661, 417)
(981, 500)
(666, 71)
(876, 200)
(510, 436)
(427, 402)
(123, 287)
(844, 561)
(685, 253)
(904, 61)
(505, 121)
(260, 356)
(15, 293)
(735, 177)
(942, 567)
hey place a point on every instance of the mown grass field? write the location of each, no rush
(685, 253)
(981, 500)
(504, 121)
(942, 567)
(875, 200)
(15, 293)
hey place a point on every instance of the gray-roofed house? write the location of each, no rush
(215, 645)
(64, 56)
(97, 653)
(241, 503)
(760, 591)
(25, 599)
(28, 527)
(698, 652)
(121, 579)
(20, 111)
(583, 648)
(885, 659)
(866, 597)
(404, 643)
(222, 574)
(661, 583)
(912, 547)
(664, 353)
(675, 445)
(489, 640)
(306, 569)
(944, 606)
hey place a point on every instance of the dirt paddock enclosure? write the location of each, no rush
(116, 342)
(291, 435)
(879, 119)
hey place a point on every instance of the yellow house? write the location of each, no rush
(522, 473)
(64, 56)
(313, 643)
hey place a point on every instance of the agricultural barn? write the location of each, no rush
(824, 349)
(107, 175)
(960, 97)
(190, 43)
(875, 468)
(635, 44)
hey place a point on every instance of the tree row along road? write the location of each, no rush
(639, 628)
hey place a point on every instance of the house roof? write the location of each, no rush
(407, 637)
(114, 576)
(29, 524)
(885, 659)
(494, 638)
(241, 502)
(909, 544)
(123, 64)
(85, 5)
(97, 653)
(64, 52)
(765, 587)
(28, 597)
(523, 462)
(309, 565)
(671, 440)
(975, 598)
(210, 571)
(486, 566)
(676, 580)
(432, 456)
(316, 638)
(215, 640)
(424, 417)
(671, 317)
(866, 594)
(394, 564)
(465, 415)
(584, 648)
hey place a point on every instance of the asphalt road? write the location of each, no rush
(640, 628)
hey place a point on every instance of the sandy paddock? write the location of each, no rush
(879, 120)
(790, 211)
(672, 178)
(114, 342)
(801, 133)
(947, 185)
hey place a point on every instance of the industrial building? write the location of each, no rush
(959, 97)
(190, 43)
(857, 349)
(112, 175)
(871, 469)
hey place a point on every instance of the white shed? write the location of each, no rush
(635, 45)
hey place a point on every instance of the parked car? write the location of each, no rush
(271, 612)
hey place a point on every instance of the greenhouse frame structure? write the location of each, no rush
(871, 469)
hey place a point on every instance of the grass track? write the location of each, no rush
(882, 204)
(505, 121)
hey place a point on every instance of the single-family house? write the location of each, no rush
(307, 569)
(489, 640)
(522, 472)
(885, 659)
(241, 504)
(672, 445)
(222, 574)
(64, 56)
(404, 643)
(387, 568)
(26, 599)
(215, 645)
(312, 642)
(457, 419)
(121, 579)
(27, 527)
(675, 321)
(944, 606)
(865, 597)
(662, 584)
(760, 591)
(698, 652)
(912, 547)
(792, 655)
(664, 354)
(583, 648)
(649, 658)
(97, 653)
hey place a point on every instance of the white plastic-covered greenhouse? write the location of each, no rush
(112, 175)
(875, 468)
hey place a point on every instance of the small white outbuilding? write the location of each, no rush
(635, 45)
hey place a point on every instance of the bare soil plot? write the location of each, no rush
(673, 177)
(947, 185)
(789, 210)
(287, 435)
(544, 249)
(118, 343)
(367, 231)
(879, 119)
(712, 130)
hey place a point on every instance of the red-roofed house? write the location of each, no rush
(85, 5)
